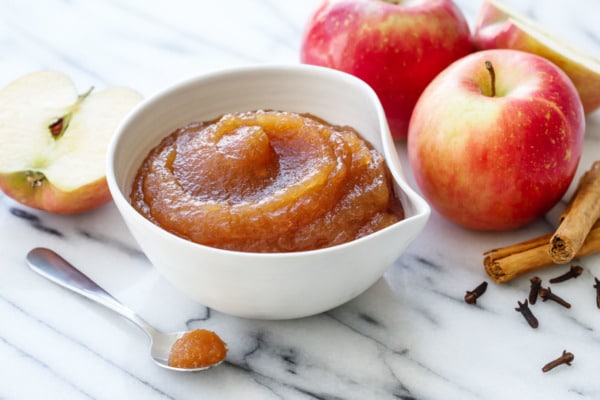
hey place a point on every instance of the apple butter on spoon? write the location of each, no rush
(189, 351)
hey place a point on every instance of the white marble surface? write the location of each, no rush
(410, 336)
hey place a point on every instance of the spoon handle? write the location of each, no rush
(58, 270)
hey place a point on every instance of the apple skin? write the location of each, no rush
(496, 163)
(397, 49)
(495, 29)
(48, 197)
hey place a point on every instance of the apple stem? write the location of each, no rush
(83, 96)
(490, 68)
(34, 178)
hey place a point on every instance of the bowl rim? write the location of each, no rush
(418, 204)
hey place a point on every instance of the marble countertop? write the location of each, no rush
(410, 336)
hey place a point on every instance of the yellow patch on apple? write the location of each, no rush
(54, 139)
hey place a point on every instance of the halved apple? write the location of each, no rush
(53, 141)
(498, 26)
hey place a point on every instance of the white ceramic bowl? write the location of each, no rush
(274, 285)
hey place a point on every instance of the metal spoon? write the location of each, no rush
(55, 268)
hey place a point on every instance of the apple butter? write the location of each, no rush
(196, 349)
(266, 181)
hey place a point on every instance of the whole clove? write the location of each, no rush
(546, 294)
(572, 273)
(565, 358)
(472, 295)
(536, 284)
(527, 314)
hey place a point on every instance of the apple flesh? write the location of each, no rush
(396, 47)
(496, 161)
(497, 26)
(53, 142)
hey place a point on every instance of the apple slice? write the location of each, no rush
(53, 142)
(497, 26)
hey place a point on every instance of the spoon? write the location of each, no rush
(55, 268)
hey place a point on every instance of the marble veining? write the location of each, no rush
(410, 336)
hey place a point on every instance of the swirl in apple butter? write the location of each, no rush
(266, 181)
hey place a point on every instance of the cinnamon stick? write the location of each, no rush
(509, 262)
(578, 218)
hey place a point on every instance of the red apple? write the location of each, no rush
(494, 149)
(396, 47)
(53, 142)
(498, 26)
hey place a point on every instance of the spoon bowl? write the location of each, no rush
(53, 267)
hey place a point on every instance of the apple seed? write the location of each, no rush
(58, 127)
